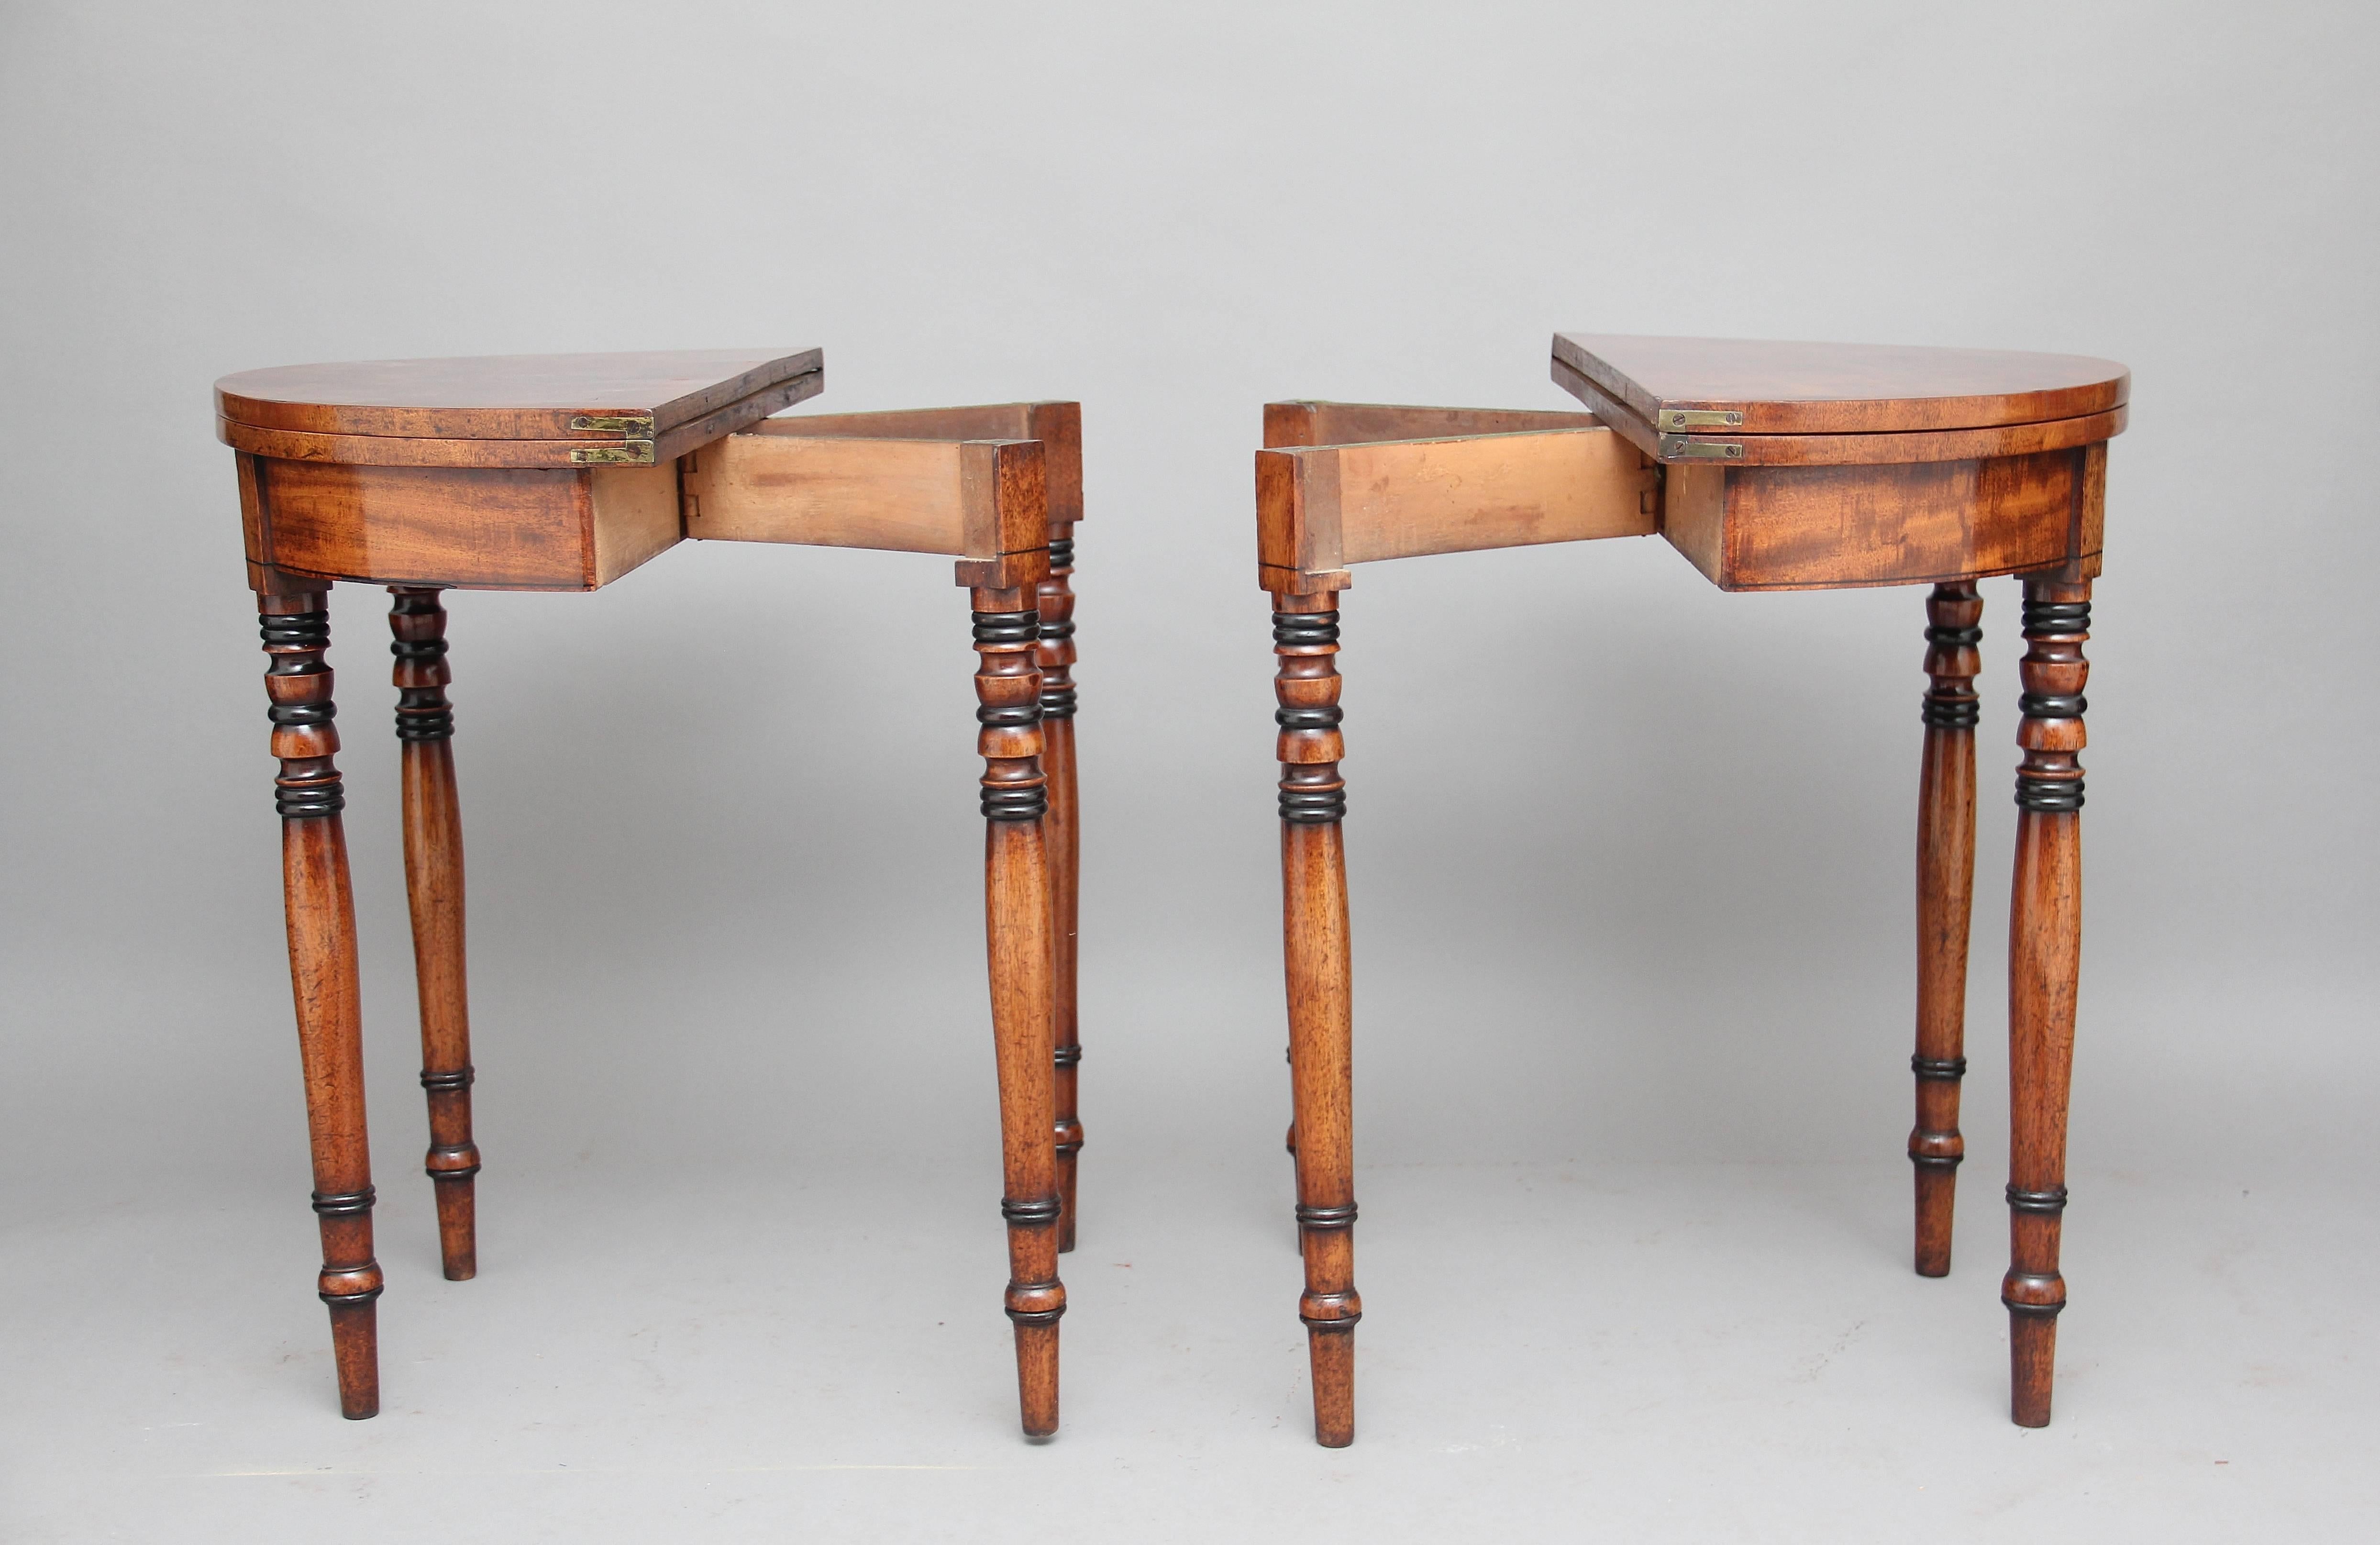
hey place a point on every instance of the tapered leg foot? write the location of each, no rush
(1937, 1191)
(355, 1347)
(2033, 1357)
(1330, 1350)
(458, 1234)
(1037, 1378)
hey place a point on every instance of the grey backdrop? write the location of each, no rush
(1631, 859)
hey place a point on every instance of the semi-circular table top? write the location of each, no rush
(527, 409)
(1760, 401)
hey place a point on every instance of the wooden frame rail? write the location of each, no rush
(1345, 483)
(977, 483)
(980, 501)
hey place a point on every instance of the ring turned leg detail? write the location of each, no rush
(1055, 656)
(322, 923)
(1018, 925)
(1313, 936)
(2044, 951)
(434, 885)
(1946, 889)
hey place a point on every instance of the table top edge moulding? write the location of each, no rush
(515, 410)
(1763, 386)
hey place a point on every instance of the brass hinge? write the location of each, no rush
(1677, 446)
(636, 447)
(1697, 418)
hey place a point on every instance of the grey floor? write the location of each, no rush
(1648, 1351)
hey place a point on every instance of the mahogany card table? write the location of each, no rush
(1770, 465)
(566, 473)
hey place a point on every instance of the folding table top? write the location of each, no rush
(1692, 399)
(511, 410)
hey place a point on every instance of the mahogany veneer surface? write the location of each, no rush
(1802, 388)
(514, 411)
(1811, 466)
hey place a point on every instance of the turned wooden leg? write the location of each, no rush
(1314, 937)
(433, 883)
(2045, 953)
(1945, 890)
(1016, 918)
(321, 917)
(1055, 656)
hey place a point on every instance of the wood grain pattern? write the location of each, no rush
(1693, 517)
(1321, 1017)
(1322, 508)
(982, 500)
(319, 904)
(1058, 425)
(1346, 423)
(1016, 922)
(1734, 447)
(2090, 512)
(363, 450)
(367, 450)
(1411, 498)
(1946, 889)
(1832, 527)
(495, 528)
(1833, 389)
(432, 820)
(894, 496)
(527, 396)
(2044, 960)
(251, 521)
(402, 525)
(631, 517)
(1865, 450)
